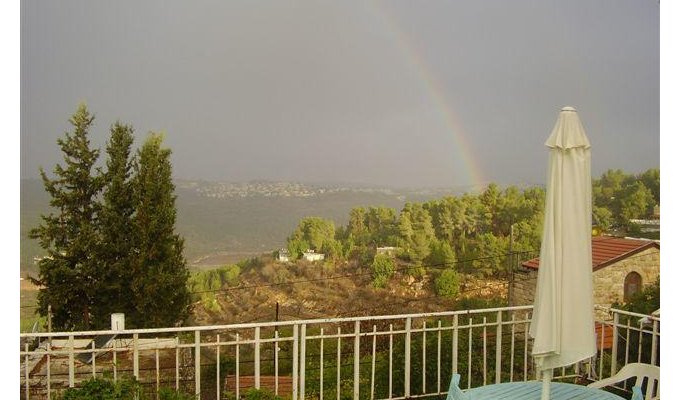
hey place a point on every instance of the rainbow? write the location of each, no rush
(470, 167)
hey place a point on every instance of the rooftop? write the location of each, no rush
(607, 250)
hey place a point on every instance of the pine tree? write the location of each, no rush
(67, 275)
(159, 273)
(117, 242)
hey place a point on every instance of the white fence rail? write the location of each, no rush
(372, 357)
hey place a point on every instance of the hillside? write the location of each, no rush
(308, 290)
(223, 223)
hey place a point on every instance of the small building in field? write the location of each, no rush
(311, 255)
(621, 268)
(283, 256)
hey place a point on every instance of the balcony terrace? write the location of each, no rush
(371, 357)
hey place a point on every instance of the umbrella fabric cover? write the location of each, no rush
(562, 323)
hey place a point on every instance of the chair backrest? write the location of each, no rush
(640, 371)
(454, 391)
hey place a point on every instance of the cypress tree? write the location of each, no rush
(159, 272)
(110, 238)
(67, 275)
(116, 244)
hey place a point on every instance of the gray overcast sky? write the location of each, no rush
(398, 93)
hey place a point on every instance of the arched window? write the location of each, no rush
(632, 285)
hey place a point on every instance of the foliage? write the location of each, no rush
(69, 271)
(416, 231)
(314, 233)
(491, 254)
(165, 393)
(250, 264)
(122, 389)
(260, 394)
(109, 236)
(441, 254)
(474, 233)
(625, 196)
(118, 240)
(204, 283)
(447, 284)
(383, 269)
(104, 389)
(159, 271)
(644, 302)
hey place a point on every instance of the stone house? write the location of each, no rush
(621, 267)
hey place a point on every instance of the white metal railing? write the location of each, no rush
(385, 357)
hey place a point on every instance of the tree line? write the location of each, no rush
(482, 228)
(110, 236)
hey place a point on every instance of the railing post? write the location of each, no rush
(26, 372)
(176, 363)
(526, 346)
(375, 336)
(303, 357)
(321, 366)
(337, 365)
(655, 339)
(158, 366)
(71, 362)
(512, 348)
(484, 351)
(49, 374)
(439, 356)
(197, 363)
(499, 341)
(424, 359)
(469, 360)
(615, 343)
(237, 378)
(296, 377)
(217, 365)
(454, 346)
(94, 364)
(389, 383)
(135, 355)
(257, 357)
(407, 359)
(357, 330)
(276, 362)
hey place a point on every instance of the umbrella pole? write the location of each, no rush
(547, 375)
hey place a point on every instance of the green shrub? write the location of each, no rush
(171, 394)
(260, 394)
(383, 269)
(104, 389)
(447, 283)
(123, 389)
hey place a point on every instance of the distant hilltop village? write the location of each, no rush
(282, 189)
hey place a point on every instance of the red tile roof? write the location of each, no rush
(607, 250)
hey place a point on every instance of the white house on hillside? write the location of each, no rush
(283, 256)
(311, 255)
(387, 250)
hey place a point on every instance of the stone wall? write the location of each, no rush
(522, 287)
(607, 282)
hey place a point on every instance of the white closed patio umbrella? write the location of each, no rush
(562, 324)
